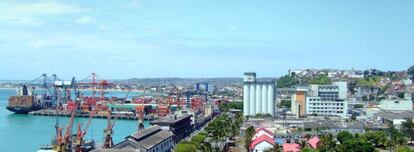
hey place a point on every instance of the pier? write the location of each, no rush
(54, 113)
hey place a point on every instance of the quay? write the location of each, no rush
(54, 113)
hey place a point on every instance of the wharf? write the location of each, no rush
(53, 113)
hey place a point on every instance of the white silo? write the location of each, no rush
(246, 96)
(270, 98)
(264, 98)
(258, 98)
(252, 100)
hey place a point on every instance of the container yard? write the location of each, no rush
(53, 97)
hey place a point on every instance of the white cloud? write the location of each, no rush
(28, 13)
(233, 28)
(43, 7)
(85, 20)
(23, 20)
(135, 4)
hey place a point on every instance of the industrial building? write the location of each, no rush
(298, 99)
(258, 97)
(327, 99)
(180, 126)
(152, 139)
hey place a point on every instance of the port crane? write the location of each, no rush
(108, 143)
(63, 142)
(94, 81)
(81, 133)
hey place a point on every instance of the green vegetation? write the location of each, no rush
(320, 79)
(358, 106)
(185, 146)
(230, 105)
(390, 139)
(217, 132)
(344, 136)
(285, 103)
(401, 95)
(250, 131)
(260, 115)
(410, 70)
(368, 82)
(287, 81)
(222, 128)
(407, 128)
(307, 149)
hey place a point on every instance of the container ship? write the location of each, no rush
(23, 103)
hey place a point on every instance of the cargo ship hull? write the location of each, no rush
(22, 104)
(22, 110)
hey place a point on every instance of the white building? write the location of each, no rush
(396, 104)
(327, 99)
(258, 97)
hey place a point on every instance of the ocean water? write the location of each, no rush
(25, 133)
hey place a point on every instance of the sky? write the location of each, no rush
(216, 38)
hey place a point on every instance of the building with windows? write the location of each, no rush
(258, 96)
(327, 99)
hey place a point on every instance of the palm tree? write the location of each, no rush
(205, 146)
(250, 131)
(408, 129)
(396, 138)
(328, 143)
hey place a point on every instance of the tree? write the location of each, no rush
(218, 130)
(198, 139)
(327, 143)
(250, 131)
(375, 137)
(356, 145)
(408, 129)
(401, 95)
(344, 136)
(320, 79)
(396, 138)
(402, 149)
(185, 146)
(287, 81)
(410, 70)
(307, 149)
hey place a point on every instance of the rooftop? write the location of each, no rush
(173, 120)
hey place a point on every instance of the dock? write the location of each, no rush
(54, 113)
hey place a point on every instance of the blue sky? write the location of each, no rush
(215, 38)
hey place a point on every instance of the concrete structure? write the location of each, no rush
(396, 104)
(396, 118)
(258, 97)
(334, 127)
(327, 99)
(152, 139)
(298, 102)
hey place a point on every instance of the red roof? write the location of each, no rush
(313, 142)
(265, 130)
(260, 139)
(291, 147)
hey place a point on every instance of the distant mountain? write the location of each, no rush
(181, 81)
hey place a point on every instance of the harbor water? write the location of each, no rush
(25, 133)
